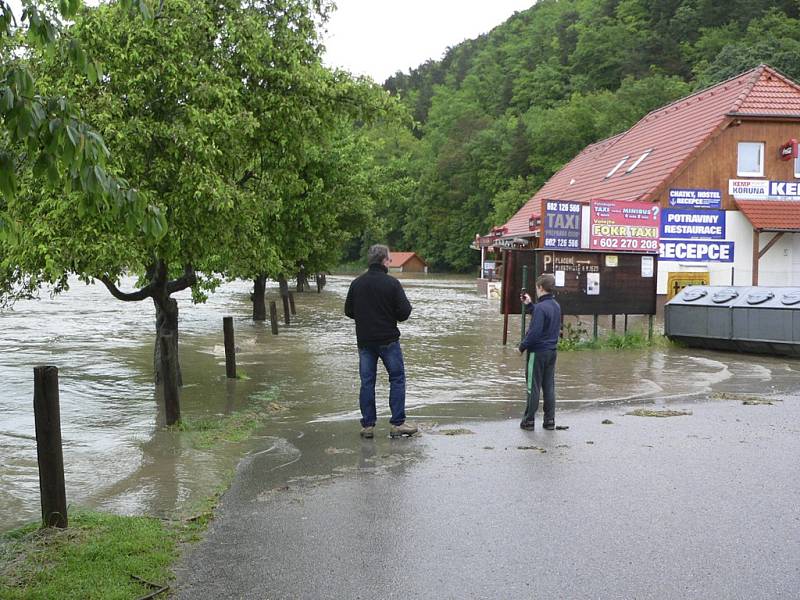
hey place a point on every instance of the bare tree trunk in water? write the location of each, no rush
(259, 301)
(165, 355)
(167, 327)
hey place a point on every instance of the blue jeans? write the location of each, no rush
(392, 357)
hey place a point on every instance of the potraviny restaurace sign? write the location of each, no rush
(694, 236)
(763, 189)
(692, 224)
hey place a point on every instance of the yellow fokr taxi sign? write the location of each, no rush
(677, 281)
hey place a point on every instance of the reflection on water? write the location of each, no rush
(118, 457)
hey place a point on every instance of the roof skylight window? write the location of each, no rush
(618, 165)
(639, 160)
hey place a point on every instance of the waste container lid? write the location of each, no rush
(692, 295)
(725, 296)
(791, 298)
(759, 297)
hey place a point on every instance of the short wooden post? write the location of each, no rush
(230, 348)
(172, 403)
(626, 324)
(650, 328)
(522, 307)
(291, 303)
(47, 418)
(614, 323)
(595, 327)
(273, 317)
(286, 317)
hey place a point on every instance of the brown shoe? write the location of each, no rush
(368, 432)
(402, 429)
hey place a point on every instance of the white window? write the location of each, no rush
(639, 160)
(751, 159)
(614, 170)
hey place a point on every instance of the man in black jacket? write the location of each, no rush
(377, 302)
(541, 342)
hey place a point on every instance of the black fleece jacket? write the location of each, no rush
(376, 301)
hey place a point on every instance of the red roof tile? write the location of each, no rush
(772, 94)
(398, 259)
(672, 133)
(771, 215)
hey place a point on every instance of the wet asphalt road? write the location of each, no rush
(699, 506)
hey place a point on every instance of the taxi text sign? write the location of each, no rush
(562, 224)
(624, 226)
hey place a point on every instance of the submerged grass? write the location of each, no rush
(207, 432)
(577, 339)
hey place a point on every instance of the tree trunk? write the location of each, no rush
(283, 286)
(259, 295)
(167, 325)
(302, 279)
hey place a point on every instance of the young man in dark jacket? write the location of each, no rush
(541, 342)
(377, 302)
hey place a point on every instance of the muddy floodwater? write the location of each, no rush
(118, 457)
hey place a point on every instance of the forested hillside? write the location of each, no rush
(498, 115)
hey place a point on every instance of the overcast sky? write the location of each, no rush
(380, 37)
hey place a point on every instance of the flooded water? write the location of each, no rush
(118, 456)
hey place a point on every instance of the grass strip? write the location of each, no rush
(100, 556)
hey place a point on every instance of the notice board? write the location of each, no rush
(600, 283)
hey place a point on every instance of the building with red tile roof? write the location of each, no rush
(407, 262)
(737, 138)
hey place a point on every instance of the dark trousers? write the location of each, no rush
(540, 376)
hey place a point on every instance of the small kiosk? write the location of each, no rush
(603, 255)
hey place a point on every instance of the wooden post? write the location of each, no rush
(230, 348)
(650, 328)
(626, 324)
(273, 317)
(291, 303)
(504, 295)
(47, 418)
(614, 323)
(755, 256)
(522, 312)
(172, 403)
(595, 327)
(286, 317)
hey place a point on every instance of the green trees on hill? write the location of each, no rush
(498, 115)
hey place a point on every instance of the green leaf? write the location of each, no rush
(74, 137)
